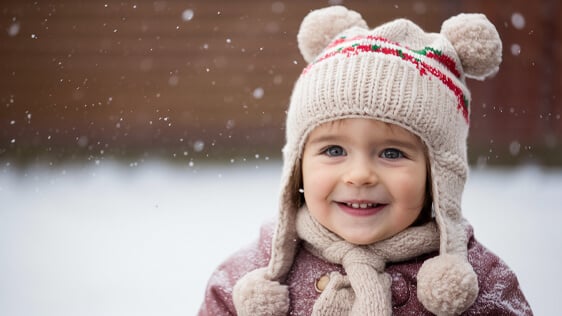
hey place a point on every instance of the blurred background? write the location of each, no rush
(140, 144)
(86, 81)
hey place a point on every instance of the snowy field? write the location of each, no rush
(114, 240)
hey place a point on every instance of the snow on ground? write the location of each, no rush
(114, 240)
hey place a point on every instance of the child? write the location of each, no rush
(374, 168)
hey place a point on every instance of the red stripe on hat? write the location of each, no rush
(423, 67)
(428, 51)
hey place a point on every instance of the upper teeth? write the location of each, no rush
(360, 205)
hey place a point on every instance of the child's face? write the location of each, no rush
(363, 179)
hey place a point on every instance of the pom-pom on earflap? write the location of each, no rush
(255, 295)
(320, 26)
(477, 43)
(447, 284)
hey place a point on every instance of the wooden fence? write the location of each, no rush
(92, 80)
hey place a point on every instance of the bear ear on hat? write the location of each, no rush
(320, 26)
(477, 43)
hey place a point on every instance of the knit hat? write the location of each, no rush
(399, 74)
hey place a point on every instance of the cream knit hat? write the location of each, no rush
(399, 74)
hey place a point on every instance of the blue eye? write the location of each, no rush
(392, 153)
(334, 151)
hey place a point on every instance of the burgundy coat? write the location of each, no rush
(499, 294)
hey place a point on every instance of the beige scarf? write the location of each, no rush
(366, 288)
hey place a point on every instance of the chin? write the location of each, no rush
(360, 241)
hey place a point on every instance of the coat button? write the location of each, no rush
(321, 283)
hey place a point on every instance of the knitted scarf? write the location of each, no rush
(365, 290)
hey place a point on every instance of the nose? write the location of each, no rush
(361, 172)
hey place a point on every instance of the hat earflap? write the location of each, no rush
(447, 284)
(477, 43)
(320, 26)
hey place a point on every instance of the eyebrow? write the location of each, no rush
(410, 145)
(325, 139)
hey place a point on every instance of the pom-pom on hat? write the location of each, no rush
(396, 73)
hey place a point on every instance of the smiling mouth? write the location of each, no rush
(362, 205)
(361, 208)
